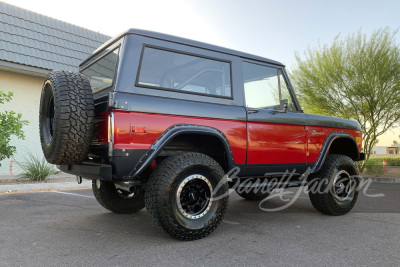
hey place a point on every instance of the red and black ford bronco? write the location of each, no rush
(157, 121)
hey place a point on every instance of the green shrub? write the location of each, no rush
(392, 161)
(374, 166)
(374, 169)
(375, 161)
(35, 169)
(11, 124)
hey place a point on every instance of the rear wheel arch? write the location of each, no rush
(197, 138)
(206, 143)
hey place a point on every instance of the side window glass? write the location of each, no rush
(184, 73)
(265, 87)
(101, 73)
(261, 85)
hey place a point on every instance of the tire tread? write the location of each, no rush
(74, 117)
(324, 202)
(160, 180)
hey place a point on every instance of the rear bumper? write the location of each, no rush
(122, 163)
(89, 171)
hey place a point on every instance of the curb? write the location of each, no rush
(385, 180)
(43, 186)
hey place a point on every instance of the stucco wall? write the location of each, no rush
(26, 99)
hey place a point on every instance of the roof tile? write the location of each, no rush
(36, 40)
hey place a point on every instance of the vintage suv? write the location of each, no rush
(156, 121)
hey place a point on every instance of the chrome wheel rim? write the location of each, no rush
(193, 196)
(343, 186)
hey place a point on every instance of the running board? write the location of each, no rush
(273, 185)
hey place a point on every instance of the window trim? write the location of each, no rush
(137, 84)
(294, 100)
(115, 68)
(291, 91)
(279, 72)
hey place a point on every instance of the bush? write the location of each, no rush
(374, 169)
(392, 161)
(11, 124)
(374, 166)
(35, 169)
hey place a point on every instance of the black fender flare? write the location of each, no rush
(170, 134)
(326, 146)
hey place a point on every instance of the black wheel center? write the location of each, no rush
(191, 197)
(194, 197)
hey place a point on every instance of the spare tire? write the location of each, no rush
(66, 117)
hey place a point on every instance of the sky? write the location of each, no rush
(271, 29)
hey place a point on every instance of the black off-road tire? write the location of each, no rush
(116, 200)
(66, 118)
(167, 183)
(322, 190)
(253, 195)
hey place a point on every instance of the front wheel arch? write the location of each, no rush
(337, 143)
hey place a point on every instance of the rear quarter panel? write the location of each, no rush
(156, 124)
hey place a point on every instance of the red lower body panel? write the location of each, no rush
(156, 124)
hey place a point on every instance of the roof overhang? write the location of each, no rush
(24, 69)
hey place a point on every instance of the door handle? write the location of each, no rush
(251, 111)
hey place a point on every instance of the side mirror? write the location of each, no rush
(284, 105)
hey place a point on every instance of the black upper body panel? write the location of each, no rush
(184, 41)
(326, 121)
(126, 94)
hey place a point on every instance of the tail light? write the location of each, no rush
(110, 133)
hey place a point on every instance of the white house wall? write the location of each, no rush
(379, 150)
(27, 90)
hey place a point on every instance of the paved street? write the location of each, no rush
(70, 228)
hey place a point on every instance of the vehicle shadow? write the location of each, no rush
(286, 204)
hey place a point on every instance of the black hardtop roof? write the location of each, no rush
(184, 41)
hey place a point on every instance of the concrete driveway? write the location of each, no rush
(69, 228)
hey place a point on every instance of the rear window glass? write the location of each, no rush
(185, 73)
(101, 73)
